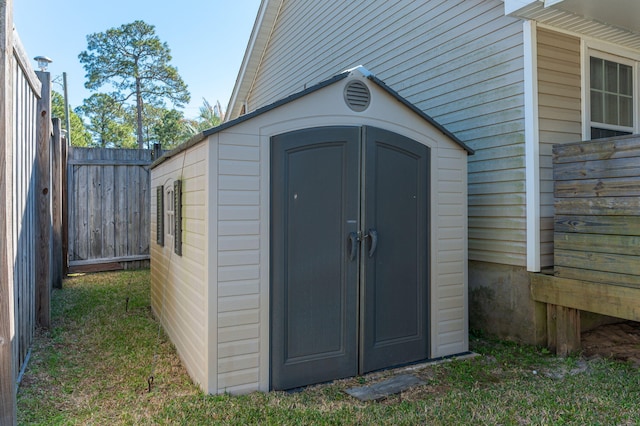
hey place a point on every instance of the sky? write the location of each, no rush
(207, 39)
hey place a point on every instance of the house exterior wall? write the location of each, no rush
(560, 116)
(467, 65)
(459, 61)
(179, 290)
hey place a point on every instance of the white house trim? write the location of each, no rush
(532, 148)
(256, 47)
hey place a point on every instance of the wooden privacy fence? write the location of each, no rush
(108, 200)
(596, 237)
(597, 218)
(30, 219)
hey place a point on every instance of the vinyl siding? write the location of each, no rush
(239, 277)
(559, 103)
(178, 283)
(459, 61)
(450, 259)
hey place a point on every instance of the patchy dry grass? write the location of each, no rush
(92, 368)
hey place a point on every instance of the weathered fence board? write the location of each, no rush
(43, 188)
(615, 244)
(597, 218)
(57, 160)
(20, 91)
(613, 148)
(26, 197)
(108, 206)
(600, 225)
(606, 278)
(601, 206)
(609, 187)
(597, 169)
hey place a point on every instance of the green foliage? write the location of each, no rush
(210, 116)
(80, 136)
(168, 127)
(133, 61)
(169, 131)
(107, 122)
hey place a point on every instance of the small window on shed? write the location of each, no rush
(177, 201)
(160, 215)
(170, 214)
(173, 216)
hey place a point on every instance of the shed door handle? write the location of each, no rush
(373, 234)
(353, 241)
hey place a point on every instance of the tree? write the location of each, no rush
(210, 116)
(107, 122)
(79, 134)
(170, 130)
(167, 127)
(135, 63)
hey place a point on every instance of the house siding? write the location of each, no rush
(459, 61)
(178, 283)
(560, 117)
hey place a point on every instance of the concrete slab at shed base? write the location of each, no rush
(385, 388)
(398, 383)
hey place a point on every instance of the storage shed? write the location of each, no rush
(320, 237)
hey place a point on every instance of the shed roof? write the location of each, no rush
(196, 139)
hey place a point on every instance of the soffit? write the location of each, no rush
(611, 21)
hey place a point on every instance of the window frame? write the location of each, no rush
(160, 230)
(613, 54)
(170, 215)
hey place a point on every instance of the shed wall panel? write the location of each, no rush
(239, 233)
(178, 283)
(450, 243)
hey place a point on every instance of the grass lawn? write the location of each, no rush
(92, 368)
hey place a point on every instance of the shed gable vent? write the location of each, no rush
(357, 96)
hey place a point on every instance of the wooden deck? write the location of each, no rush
(596, 237)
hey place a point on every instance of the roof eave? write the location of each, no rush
(258, 41)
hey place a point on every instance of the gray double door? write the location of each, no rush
(349, 253)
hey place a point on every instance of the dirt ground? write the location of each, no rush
(619, 341)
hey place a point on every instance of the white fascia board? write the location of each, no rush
(532, 145)
(549, 3)
(243, 80)
(512, 6)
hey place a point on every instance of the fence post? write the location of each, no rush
(56, 205)
(7, 361)
(65, 206)
(157, 152)
(43, 196)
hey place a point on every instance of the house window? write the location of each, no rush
(611, 97)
